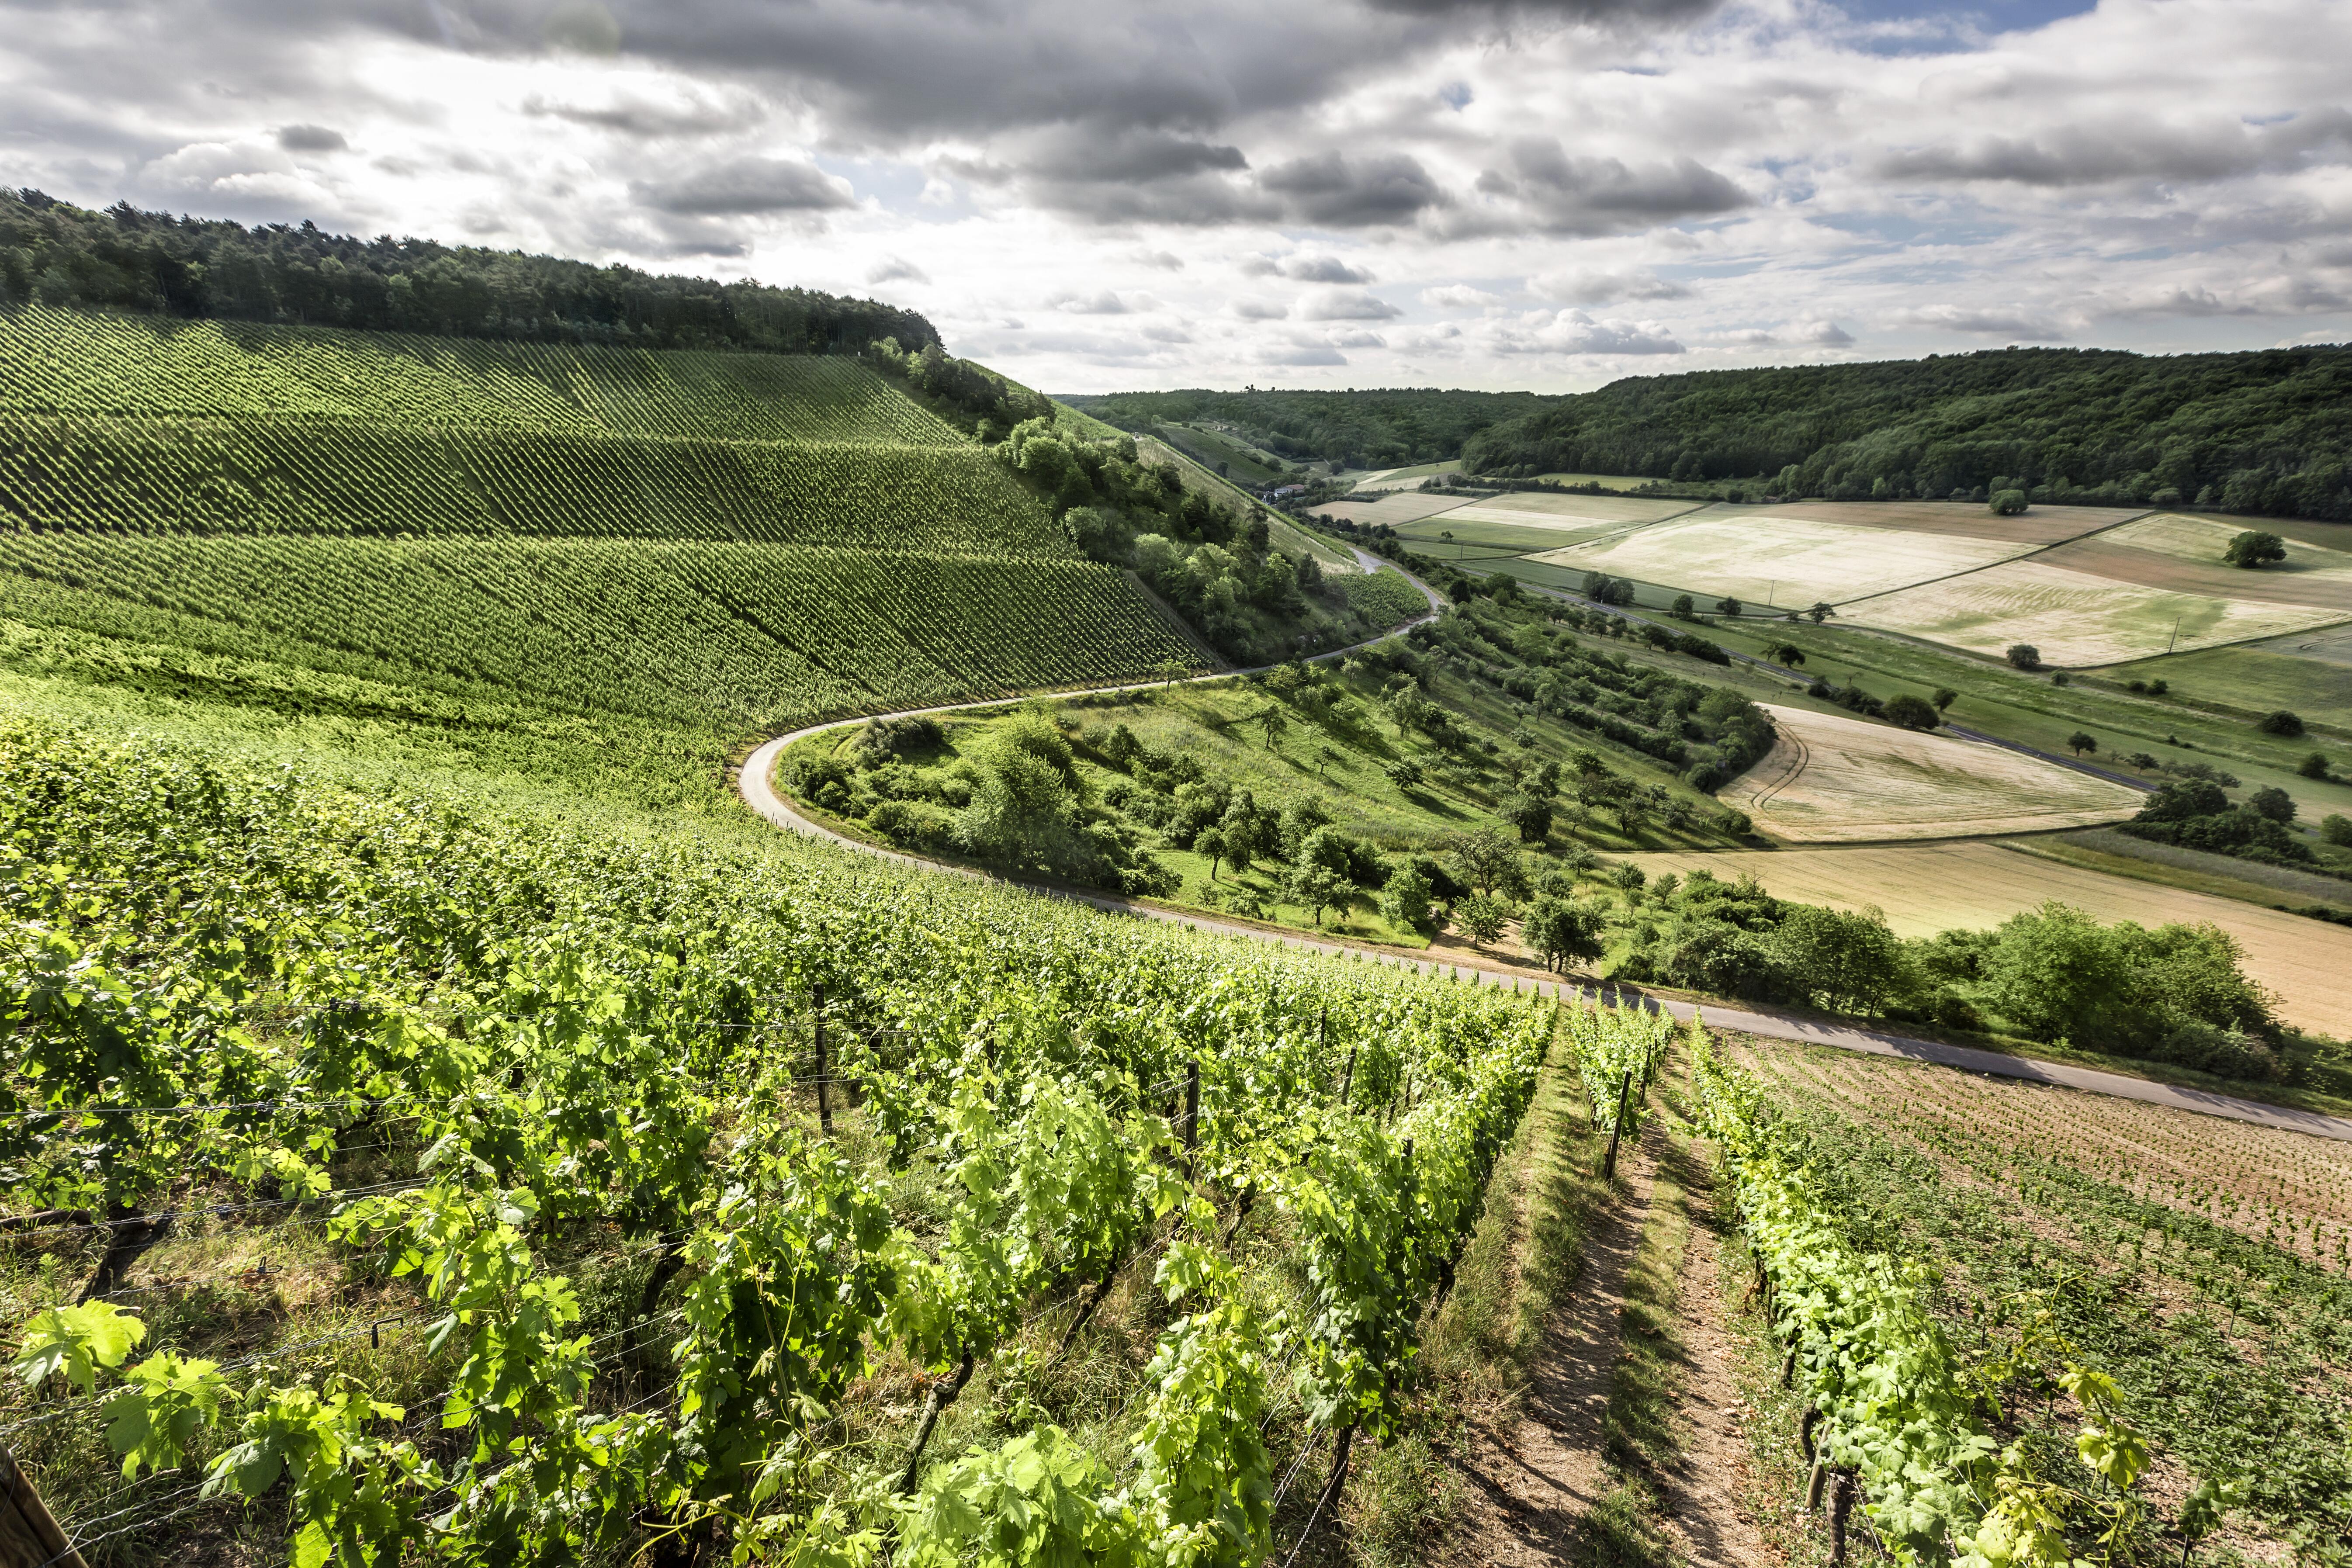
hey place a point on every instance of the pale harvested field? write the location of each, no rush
(1520, 505)
(2075, 618)
(1789, 561)
(1962, 519)
(1396, 511)
(1473, 526)
(2184, 555)
(1927, 888)
(1829, 779)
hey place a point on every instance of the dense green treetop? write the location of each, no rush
(2261, 432)
(1356, 429)
(125, 259)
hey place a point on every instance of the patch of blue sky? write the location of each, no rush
(897, 186)
(1924, 26)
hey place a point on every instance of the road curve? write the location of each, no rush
(753, 782)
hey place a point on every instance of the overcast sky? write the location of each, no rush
(1093, 195)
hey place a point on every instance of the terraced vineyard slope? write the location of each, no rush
(719, 542)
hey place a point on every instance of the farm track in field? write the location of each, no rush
(754, 783)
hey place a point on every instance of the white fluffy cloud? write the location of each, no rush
(1539, 193)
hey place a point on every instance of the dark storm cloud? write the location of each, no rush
(742, 186)
(1332, 191)
(1125, 156)
(312, 139)
(2131, 150)
(1566, 194)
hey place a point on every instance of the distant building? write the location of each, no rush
(1281, 491)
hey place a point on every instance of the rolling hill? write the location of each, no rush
(571, 552)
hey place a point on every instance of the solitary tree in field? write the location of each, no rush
(1728, 608)
(1682, 607)
(1789, 654)
(2024, 655)
(1910, 710)
(2007, 503)
(1168, 670)
(1404, 772)
(1945, 697)
(1481, 917)
(1324, 758)
(1562, 933)
(1823, 610)
(2078, 742)
(2253, 548)
(2313, 766)
(1273, 721)
(1317, 888)
(2281, 723)
(1212, 843)
(1485, 858)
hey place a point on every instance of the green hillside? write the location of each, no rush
(2259, 432)
(1376, 430)
(720, 544)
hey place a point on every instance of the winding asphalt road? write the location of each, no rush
(753, 782)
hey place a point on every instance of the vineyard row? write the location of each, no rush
(75, 363)
(741, 637)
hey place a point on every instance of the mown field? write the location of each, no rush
(1834, 779)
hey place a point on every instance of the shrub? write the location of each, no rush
(2007, 503)
(1406, 900)
(1482, 917)
(2024, 655)
(2313, 766)
(1911, 712)
(2273, 803)
(2337, 828)
(2281, 722)
(2158, 688)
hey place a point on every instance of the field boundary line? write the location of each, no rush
(2004, 561)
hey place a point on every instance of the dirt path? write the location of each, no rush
(1540, 1479)
(1707, 1521)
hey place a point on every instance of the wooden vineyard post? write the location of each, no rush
(1348, 1080)
(1192, 1112)
(824, 1104)
(1842, 1491)
(1624, 1089)
(30, 1535)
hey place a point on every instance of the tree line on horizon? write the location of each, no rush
(57, 254)
(2261, 432)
